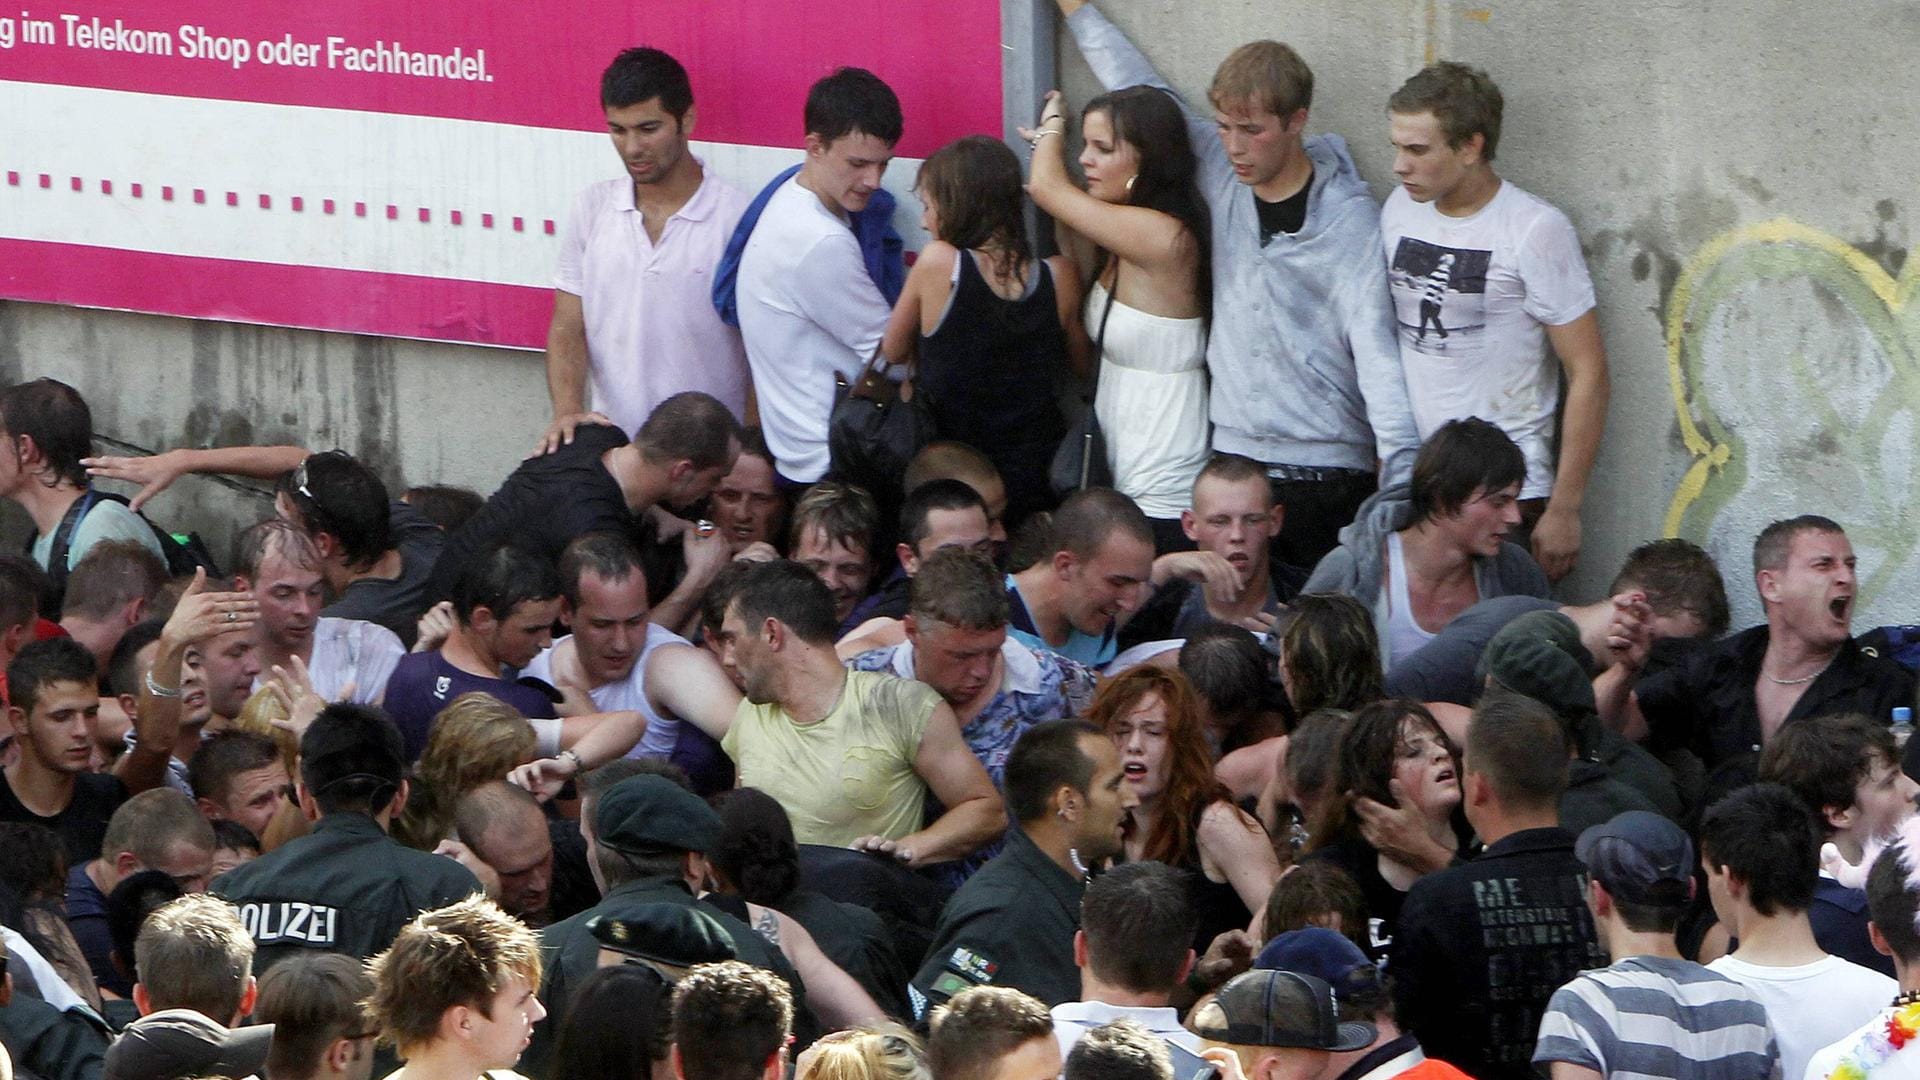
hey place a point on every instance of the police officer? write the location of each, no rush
(346, 887)
(648, 838)
(1012, 924)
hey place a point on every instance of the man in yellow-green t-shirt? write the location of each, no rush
(851, 755)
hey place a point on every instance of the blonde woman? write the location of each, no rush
(877, 1052)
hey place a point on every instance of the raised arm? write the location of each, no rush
(156, 473)
(1144, 237)
(198, 616)
(1117, 62)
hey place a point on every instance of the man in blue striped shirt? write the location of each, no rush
(1650, 1013)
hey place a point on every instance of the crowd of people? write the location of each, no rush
(1258, 749)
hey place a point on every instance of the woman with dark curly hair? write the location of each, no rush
(1185, 818)
(1329, 654)
(1395, 753)
(757, 862)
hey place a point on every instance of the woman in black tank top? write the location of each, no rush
(990, 324)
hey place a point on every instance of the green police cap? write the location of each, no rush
(652, 813)
(676, 935)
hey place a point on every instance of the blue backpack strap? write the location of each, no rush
(726, 275)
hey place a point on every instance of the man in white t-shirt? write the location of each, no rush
(808, 308)
(1893, 903)
(1485, 277)
(1760, 850)
(630, 300)
(345, 659)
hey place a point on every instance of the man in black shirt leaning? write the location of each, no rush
(1483, 945)
(601, 481)
(1726, 701)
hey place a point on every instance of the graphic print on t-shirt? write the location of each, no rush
(1440, 297)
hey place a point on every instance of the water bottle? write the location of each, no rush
(1902, 725)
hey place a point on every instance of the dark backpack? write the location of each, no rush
(182, 558)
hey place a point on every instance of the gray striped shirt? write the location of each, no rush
(1649, 1016)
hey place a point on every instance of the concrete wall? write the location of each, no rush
(1743, 183)
(1739, 173)
(417, 412)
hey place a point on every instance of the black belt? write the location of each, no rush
(1313, 474)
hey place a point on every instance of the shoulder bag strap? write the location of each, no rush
(1100, 338)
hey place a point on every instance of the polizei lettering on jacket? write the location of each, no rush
(290, 922)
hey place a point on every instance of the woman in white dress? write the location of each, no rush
(1142, 223)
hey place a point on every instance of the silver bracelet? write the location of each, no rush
(157, 690)
(1041, 134)
(578, 765)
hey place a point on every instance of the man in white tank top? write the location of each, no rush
(621, 660)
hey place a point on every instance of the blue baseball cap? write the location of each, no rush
(1640, 857)
(1324, 954)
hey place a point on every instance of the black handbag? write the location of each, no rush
(876, 427)
(1081, 460)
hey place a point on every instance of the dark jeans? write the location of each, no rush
(1169, 537)
(1316, 511)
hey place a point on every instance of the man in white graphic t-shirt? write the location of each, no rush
(1485, 277)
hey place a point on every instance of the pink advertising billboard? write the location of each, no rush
(401, 169)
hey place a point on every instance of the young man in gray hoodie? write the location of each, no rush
(1303, 358)
(1420, 553)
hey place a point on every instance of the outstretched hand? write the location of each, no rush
(1400, 832)
(292, 687)
(560, 432)
(154, 474)
(1053, 117)
(544, 778)
(201, 614)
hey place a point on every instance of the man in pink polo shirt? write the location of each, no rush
(631, 301)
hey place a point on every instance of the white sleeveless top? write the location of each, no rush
(1152, 403)
(663, 730)
(1404, 635)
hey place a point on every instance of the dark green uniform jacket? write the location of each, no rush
(346, 887)
(1011, 924)
(49, 1044)
(572, 954)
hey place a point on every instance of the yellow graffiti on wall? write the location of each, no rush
(1728, 291)
(1732, 254)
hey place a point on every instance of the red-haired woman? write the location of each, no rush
(1185, 817)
